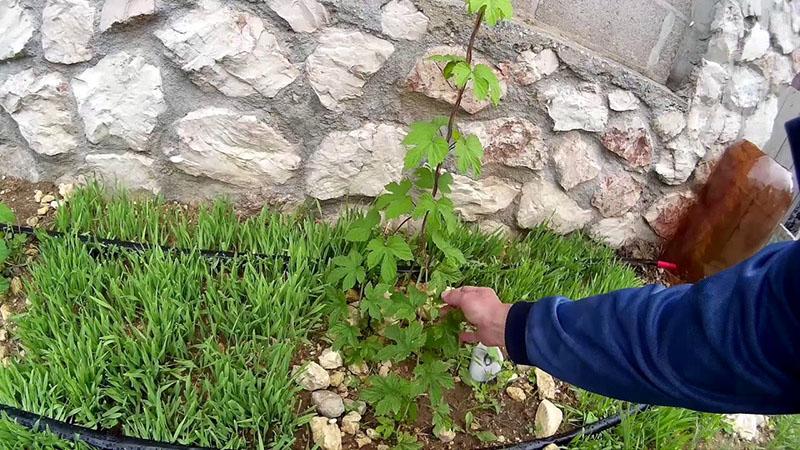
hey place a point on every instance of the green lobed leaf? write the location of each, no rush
(408, 341)
(486, 85)
(348, 269)
(397, 202)
(6, 215)
(469, 154)
(451, 253)
(386, 253)
(461, 73)
(5, 252)
(496, 10)
(362, 229)
(375, 300)
(424, 141)
(406, 441)
(434, 376)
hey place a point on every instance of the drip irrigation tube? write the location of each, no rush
(105, 440)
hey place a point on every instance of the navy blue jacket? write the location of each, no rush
(730, 343)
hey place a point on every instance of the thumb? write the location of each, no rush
(468, 337)
(452, 297)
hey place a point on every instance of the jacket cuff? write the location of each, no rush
(515, 332)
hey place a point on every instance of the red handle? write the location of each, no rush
(672, 267)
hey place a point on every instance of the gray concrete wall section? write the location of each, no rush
(644, 35)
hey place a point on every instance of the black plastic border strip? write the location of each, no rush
(108, 441)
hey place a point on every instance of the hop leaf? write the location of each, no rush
(404, 307)
(407, 441)
(348, 269)
(434, 377)
(344, 336)
(426, 178)
(361, 230)
(397, 202)
(441, 214)
(469, 154)
(407, 341)
(375, 300)
(485, 84)
(386, 253)
(6, 215)
(390, 395)
(496, 10)
(424, 141)
(450, 252)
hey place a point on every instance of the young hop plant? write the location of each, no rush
(397, 318)
(6, 218)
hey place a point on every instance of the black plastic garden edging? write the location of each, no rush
(104, 440)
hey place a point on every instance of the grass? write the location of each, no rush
(185, 349)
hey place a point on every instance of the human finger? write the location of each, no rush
(468, 337)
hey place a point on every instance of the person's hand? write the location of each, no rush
(483, 309)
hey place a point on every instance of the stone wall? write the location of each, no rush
(286, 101)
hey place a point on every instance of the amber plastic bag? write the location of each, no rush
(746, 196)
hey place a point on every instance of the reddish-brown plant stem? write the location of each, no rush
(451, 126)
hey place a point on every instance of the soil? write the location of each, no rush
(18, 195)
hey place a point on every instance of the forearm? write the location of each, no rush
(728, 344)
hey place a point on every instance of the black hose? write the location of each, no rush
(591, 429)
(98, 439)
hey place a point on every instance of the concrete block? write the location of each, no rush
(644, 35)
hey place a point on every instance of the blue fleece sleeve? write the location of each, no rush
(730, 343)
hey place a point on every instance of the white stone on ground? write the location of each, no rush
(545, 384)
(516, 393)
(363, 441)
(531, 67)
(351, 422)
(328, 403)
(758, 126)
(572, 109)
(325, 434)
(476, 198)
(330, 359)
(344, 59)
(228, 50)
(400, 19)
(356, 162)
(548, 419)
(41, 107)
(17, 27)
(446, 436)
(426, 78)
(337, 378)
(122, 11)
(236, 148)
(313, 377)
(747, 427)
(622, 100)
(132, 170)
(510, 141)
(120, 98)
(67, 29)
(543, 202)
(355, 405)
(304, 16)
(576, 160)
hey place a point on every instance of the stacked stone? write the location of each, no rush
(286, 100)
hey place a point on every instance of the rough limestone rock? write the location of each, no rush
(304, 16)
(543, 201)
(669, 124)
(531, 67)
(17, 27)
(228, 50)
(780, 26)
(576, 160)
(487, 196)
(751, 8)
(312, 377)
(727, 30)
(328, 403)
(351, 422)
(676, 163)
(665, 215)
(495, 227)
(131, 170)
(510, 141)
(796, 61)
(545, 384)
(516, 393)
(756, 44)
(548, 419)
(747, 87)
(712, 125)
(778, 69)
(400, 19)
(40, 105)
(758, 127)
(330, 359)
(235, 148)
(711, 81)
(325, 433)
(622, 100)
(357, 162)
(342, 62)
(67, 28)
(615, 231)
(631, 143)
(122, 11)
(616, 195)
(426, 78)
(747, 427)
(119, 98)
(572, 109)
(18, 162)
